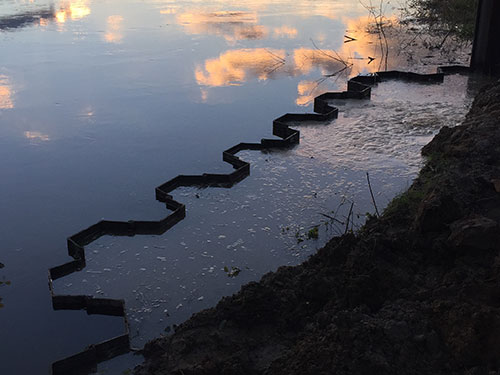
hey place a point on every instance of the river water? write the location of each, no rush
(103, 100)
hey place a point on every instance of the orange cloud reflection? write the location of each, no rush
(361, 55)
(328, 61)
(74, 10)
(234, 67)
(367, 44)
(43, 22)
(237, 66)
(114, 25)
(6, 101)
(168, 11)
(304, 8)
(306, 91)
(232, 25)
(36, 136)
(61, 16)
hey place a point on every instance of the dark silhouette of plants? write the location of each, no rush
(457, 17)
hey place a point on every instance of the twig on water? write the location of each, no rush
(279, 58)
(349, 39)
(334, 222)
(352, 222)
(371, 193)
(336, 57)
(337, 72)
(319, 81)
(382, 31)
(444, 39)
(379, 23)
(275, 67)
(332, 218)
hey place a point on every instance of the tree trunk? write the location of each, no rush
(486, 50)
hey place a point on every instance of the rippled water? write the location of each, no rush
(101, 101)
(389, 130)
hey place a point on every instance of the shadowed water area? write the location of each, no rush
(102, 101)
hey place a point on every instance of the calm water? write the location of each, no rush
(102, 100)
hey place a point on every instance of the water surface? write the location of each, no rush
(101, 101)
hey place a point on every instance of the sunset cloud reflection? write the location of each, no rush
(74, 10)
(36, 136)
(237, 66)
(6, 101)
(306, 92)
(114, 25)
(232, 25)
(361, 55)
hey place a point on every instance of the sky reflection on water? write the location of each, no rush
(101, 101)
(5, 94)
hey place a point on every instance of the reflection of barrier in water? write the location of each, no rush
(86, 361)
(2, 283)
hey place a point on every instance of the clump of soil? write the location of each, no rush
(416, 291)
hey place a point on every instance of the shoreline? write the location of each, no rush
(415, 291)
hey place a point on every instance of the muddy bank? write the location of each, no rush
(417, 291)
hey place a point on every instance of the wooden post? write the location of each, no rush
(486, 49)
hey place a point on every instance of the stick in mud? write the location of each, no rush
(348, 217)
(371, 193)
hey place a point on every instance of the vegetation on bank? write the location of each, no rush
(456, 17)
(407, 203)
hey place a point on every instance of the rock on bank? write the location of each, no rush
(417, 291)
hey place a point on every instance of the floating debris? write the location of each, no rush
(237, 243)
(233, 272)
